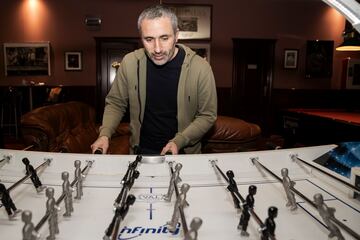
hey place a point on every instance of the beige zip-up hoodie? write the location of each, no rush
(196, 99)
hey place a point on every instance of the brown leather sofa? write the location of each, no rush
(231, 135)
(70, 127)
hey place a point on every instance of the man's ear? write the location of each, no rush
(177, 35)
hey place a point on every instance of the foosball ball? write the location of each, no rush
(277, 194)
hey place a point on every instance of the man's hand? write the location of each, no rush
(100, 143)
(170, 147)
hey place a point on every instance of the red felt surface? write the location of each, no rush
(334, 114)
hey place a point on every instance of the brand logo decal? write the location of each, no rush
(151, 197)
(134, 232)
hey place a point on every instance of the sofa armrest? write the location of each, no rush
(231, 135)
(35, 137)
(68, 127)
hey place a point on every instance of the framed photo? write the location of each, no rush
(319, 59)
(73, 61)
(27, 59)
(351, 69)
(201, 49)
(194, 20)
(291, 58)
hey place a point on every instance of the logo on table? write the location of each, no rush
(151, 197)
(153, 232)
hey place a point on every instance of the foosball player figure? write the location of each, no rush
(180, 203)
(175, 179)
(33, 175)
(119, 215)
(67, 191)
(134, 175)
(183, 191)
(195, 224)
(52, 210)
(327, 213)
(288, 184)
(245, 214)
(8, 203)
(28, 229)
(79, 177)
(121, 198)
(269, 229)
(232, 187)
(134, 164)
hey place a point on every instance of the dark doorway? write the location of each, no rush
(252, 80)
(109, 51)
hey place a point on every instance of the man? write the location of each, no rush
(170, 91)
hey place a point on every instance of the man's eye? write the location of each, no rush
(164, 38)
(148, 39)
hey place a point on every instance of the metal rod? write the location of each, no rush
(238, 195)
(6, 159)
(43, 165)
(58, 201)
(181, 210)
(48, 160)
(27, 148)
(116, 229)
(183, 221)
(346, 228)
(337, 222)
(220, 171)
(254, 160)
(125, 178)
(119, 215)
(125, 185)
(328, 174)
(41, 222)
(121, 194)
(84, 172)
(125, 182)
(252, 212)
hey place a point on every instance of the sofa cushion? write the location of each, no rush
(79, 139)
(119, 143)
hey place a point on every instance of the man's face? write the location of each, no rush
(159, 39)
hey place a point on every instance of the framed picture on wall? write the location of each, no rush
(201, 49)
(194, 20)
(319, 59)
(291, 58)
(73, 61)
(27, 59)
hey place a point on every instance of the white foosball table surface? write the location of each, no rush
(208, 196)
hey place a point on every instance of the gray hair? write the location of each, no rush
(158, 11)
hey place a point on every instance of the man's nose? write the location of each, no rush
(157, 47)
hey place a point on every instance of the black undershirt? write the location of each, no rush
(160, 117)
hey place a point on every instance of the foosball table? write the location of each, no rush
(277, 194)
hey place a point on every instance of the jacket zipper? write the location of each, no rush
(138, 89)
